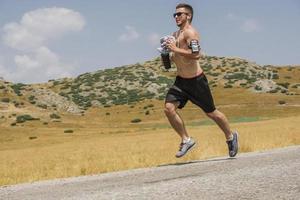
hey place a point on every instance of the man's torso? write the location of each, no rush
(186, 67)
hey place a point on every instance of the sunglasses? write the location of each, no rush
(178, 14)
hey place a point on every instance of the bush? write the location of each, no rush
(31, 98)
(258, 87)
(238, 76)
(16, 104)
(274, 90)
(296, 85)
(275, 76)
(24, 118)
(44, 106)
(5, 100)
(281, 102)
(228, 86)
(68, 131)
(54, 116)
(137, 120)
(17, 88)
(285, 85)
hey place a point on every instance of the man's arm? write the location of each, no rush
(190, 35)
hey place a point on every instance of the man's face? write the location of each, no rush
(180, 16)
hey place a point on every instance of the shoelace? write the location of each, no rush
(180, 146)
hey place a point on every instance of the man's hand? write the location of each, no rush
(171, 45)
(163, 49)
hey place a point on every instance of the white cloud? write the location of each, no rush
(250, 25)
(39, 26)
(247, 25)
(231, 16)
(154, 39)
(31, 36)
(36, 67)
(129, 35)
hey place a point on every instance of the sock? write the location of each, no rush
(186, 140)
(230, 138)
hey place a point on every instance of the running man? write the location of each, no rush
(191, 83)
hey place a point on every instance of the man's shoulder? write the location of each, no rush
(191, 31)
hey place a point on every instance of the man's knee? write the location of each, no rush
(170, 109)
(215, 115)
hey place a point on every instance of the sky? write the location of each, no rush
(49, 39)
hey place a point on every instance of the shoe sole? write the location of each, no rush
(190, 148)
(237, 144)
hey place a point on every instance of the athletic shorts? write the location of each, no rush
(194, 89)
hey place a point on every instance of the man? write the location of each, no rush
(191, 83)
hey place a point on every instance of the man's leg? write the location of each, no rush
(231, 137)
(175, 120)
(177, 123)
(222, 122)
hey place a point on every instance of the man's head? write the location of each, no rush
(184, 12)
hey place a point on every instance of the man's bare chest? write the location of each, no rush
(181, 41)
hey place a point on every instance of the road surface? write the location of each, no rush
(266, 175)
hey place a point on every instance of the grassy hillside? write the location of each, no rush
(134, 83)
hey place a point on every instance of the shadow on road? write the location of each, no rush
(197, 161)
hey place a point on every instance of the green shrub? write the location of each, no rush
(31, 98)
(275, 76)
(5, 100)
(258, 87)
(281, 102)
(137, 120)
(17, 88)
(285, 85)
(24, 118)
(44, 106)
(274, 90)
(228, 86)
(54, 116)
(68, 131)
(296, 85)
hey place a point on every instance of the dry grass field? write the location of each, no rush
(105, 140)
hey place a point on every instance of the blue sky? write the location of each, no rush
(48, 39)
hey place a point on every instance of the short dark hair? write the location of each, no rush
(188, 7)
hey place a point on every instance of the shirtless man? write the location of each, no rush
(191, 83)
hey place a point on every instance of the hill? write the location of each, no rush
(128, 85)
(134, 83)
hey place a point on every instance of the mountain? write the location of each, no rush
(133, 83)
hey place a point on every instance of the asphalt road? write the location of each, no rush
(266, 175)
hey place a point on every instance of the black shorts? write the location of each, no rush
(194, 89)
